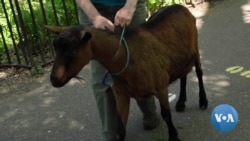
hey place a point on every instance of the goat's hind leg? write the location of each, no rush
(166, 114)
(203, 102)
(180, 105)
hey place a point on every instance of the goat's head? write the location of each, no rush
(73, 52)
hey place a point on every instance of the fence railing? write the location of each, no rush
(24, 42)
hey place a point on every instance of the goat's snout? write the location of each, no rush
(55, 81)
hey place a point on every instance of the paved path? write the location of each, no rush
(38, 112)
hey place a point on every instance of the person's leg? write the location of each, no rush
(104, 96)
(106, 104)
(147, 104)
(148, 108)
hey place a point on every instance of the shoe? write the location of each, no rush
(150, 121)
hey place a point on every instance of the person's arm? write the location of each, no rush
(125, 14)
(94, 16)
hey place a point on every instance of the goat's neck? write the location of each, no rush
(107, 50)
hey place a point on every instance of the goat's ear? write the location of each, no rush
(55, 29)
(85, 36)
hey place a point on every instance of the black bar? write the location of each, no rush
(11, 32)
(65, 12)
(54, 10)
(35, 34)
(76, 11)
(24, 32)
(5, 46)
(19, 33)
(49, 36)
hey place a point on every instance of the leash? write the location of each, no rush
(122, 40)
(122, 35)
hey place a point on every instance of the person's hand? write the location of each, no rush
(101, 22)
(124, 16)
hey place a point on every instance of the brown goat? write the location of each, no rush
(162, 50)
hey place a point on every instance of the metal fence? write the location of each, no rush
(24, 42)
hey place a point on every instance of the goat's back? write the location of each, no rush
(165, 46)
(175, 27)
(170, 22)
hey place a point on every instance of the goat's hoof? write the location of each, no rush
(203, 104)
(174, 139)
(179, 107)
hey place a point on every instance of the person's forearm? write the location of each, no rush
(88, 8)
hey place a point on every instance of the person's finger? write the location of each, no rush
(110, 26)
(107, 26)
(121, 22)
(127, 23)
(117, 21)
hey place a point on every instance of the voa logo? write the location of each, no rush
(224, 118)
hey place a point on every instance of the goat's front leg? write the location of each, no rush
(166, 114)
(122, 105)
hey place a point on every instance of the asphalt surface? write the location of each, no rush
(38, 112)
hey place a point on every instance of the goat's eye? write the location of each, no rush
(67, 48)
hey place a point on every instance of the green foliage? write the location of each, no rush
(154, 5)
(36, 31)
(4, 26)
(35, 34)
(38, 70)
